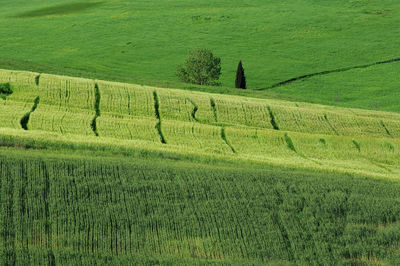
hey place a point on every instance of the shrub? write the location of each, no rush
(201, 67)
(5, 88)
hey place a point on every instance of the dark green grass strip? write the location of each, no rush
(97, 99)
(273, 121)
(386, 129)
(223, 136)
(93, 125)
(62, 9)
(330, 125)
(214, 108)
(159, 130)
(156, 105)
(25, 119)
(357, 145)
(37, 80)
(330, 72)
(289, 143)
(158, 116)
(195, 109)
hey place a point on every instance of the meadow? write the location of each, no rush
(143, 42)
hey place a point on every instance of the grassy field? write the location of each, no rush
(78, 209)
(106, 158)
(143, 42)
(100, 172)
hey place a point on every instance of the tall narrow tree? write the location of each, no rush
(240, 81)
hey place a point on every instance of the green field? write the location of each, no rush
(133, 117)
(78, 210)
(143, 42)
(106, 158)
(99, 172)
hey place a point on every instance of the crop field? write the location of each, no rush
(108, 158)
(79, 210)
(100, 172)
(340, 43)
(234, 127)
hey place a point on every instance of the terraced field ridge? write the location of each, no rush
(123, 118)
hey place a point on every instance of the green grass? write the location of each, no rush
(373, 88)
(143, 42)
(79, 209)
(62, 9)
(113, 173)
(246, 181)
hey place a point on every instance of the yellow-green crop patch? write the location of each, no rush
(247, 129)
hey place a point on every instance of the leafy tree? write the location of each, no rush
(201, 67)
(240, 81)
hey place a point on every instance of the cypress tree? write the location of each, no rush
(240, 81)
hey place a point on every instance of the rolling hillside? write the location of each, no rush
(106, 158)
(98, 172)
(127, 117)
(143, 42)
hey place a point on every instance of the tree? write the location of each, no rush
(240, 81)
(201, 67)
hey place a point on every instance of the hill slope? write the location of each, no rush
(143, 42)
(74, 209)
(129, 117)
(113, 173)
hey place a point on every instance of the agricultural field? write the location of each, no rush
(100, 172)
(143, 42)
(73, 209)
(108, 158)
(211, 125)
